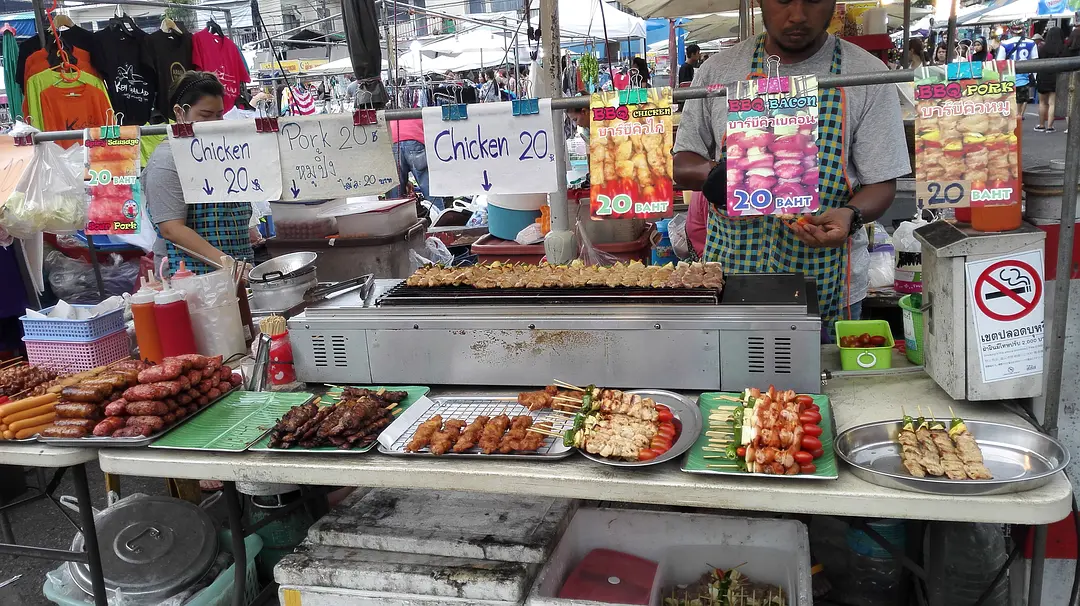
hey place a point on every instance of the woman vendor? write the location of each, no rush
(861, 153)
(211, 230)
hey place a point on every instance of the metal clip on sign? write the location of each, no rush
(266, 124)
(364, 113)
(965, 69)
(774, 84)
(526, 107)
(24, 139)
(183, 128)
(635, 95)
(453, 112)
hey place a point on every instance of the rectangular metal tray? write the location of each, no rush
(110, 442)
(393, 439)
(416, 392)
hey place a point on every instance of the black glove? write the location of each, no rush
(715, 187)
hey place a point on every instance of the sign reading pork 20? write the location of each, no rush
(772, 152)
(491, 151)
(966, 148)
(227, 161)
(630, 164)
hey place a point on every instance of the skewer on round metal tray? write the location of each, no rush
(1021, 459)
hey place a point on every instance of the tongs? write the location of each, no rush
(331, 291)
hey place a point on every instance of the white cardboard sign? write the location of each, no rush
(1007, 303)
(326, 157)
(493, 151)
(227, 161)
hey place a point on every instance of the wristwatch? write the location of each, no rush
(856, 219)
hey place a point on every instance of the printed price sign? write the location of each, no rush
(772, 152)
(1009, 313)
(326, 157)
(115, 192)
(966, 149)
(630, 164)
(227, 161)
(493, 151)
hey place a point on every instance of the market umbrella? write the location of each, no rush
(362, 32)
(14, 89)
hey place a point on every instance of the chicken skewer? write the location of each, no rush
(424, 433)
(954, 468)
(909, 448)
(491, 437)
(968, 450)
(443, 441)
(512, 440)
(929, 455)
(471, 434)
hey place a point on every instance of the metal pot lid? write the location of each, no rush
(285, 266)
(151, 548)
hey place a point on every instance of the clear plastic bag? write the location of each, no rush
(860, 266)
(680, 239)
(50, 196)
(73, 279)
(435, 253)
(589, 254)
(908, 277)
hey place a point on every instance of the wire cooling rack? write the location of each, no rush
(394, 438)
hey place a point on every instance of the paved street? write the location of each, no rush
(1040, 148)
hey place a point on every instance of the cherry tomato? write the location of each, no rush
(803, 458)
(811, 443)
(817, 453)
(741, 451)
(809, 468)
(804, 400)
(813, 407)
(646, 455)
(663, 413)
(660, 443)
(878, 341)
(658, 451)
(864, 340)
(810, 416)
(811, 430)
(666, 432)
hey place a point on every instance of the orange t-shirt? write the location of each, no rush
(63, 111)
(38, 61)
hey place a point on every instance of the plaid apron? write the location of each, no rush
(224, 225)
(765, 244)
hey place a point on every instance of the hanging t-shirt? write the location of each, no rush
(59, 105)
(33, 59)
(219, 55)
(126, 67)
(171, 54)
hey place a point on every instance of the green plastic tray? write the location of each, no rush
(415, 393)
(696, 462)
(233, 423)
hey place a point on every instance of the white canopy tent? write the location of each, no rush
(586, 18)
(726, 24)
(481, 39)
(1012, 11)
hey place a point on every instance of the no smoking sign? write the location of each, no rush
(1008, 290)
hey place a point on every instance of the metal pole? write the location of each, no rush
(1038, 551)
(673, 53)
(228, 23)
(39, 23)
(905, 54)
(950, 38)
(559, 243)
(744, 19)
(239, 549)
(92, 251)
(1056, 346)
(89, 532)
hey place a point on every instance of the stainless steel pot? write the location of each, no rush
(283, 267)
(279, 292)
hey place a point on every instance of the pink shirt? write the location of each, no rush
(697, 223)
(407, 130)
(220, 56)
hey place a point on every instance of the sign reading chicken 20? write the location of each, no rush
(772, 152)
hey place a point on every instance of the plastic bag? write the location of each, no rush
(73, 279)
(436, 253)
(908, 277)
(882, 264)
(680, 240)
(589, 254)
(860, 267)
(49, 197)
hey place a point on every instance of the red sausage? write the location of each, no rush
(183, 399)
(166, 371)
(224, 373)
(116, 408)
(197, 361)
(109, 426)
(153, 422)
(203, 401)
(147, 407)
(169, 419)
(154, 391)
(140, 431)
(236, 380)
(213, 394)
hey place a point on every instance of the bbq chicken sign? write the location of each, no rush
(1008, 310)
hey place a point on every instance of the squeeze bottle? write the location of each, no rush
(174, 323)
(146, 332)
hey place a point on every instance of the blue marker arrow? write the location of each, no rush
(486, 184)
(206, 187)
(294, 189)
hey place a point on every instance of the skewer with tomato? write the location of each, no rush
(771, 432)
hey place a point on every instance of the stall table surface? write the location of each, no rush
(40, 455)
(855, 400)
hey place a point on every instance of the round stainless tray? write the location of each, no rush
(683, 409)
(1021, 459)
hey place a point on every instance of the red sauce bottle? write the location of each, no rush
(173, 323)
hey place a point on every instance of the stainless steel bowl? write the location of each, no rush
(1021, 459)
(284, 267)
(688, 414)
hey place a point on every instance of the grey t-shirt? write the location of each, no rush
(164, 194)
(874, 140)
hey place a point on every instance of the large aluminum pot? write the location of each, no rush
(282, 281)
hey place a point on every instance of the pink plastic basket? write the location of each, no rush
(68, 356)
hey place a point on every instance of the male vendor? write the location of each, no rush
(861, 147)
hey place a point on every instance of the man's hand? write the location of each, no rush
(830, 229)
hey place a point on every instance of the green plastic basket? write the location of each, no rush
(865, 358)
(913, 330)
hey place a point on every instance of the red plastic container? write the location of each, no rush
(489, 249)
(281, 360)
(605, 575)
(173, 324)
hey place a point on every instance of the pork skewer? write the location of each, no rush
(929, 454)
(909, 448)
(968, 450)
(954, 468)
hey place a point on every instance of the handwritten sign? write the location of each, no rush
(630, 163)
(966, 149)
(772, 152)
(113, 165)
(326, 157)
(13, 162)
(493, 151)
(227, 161)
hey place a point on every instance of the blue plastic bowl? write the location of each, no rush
(505, 223)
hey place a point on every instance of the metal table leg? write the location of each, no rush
(239, 550)
(1038, 559)
(89, 531)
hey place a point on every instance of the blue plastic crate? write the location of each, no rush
(77, 331)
